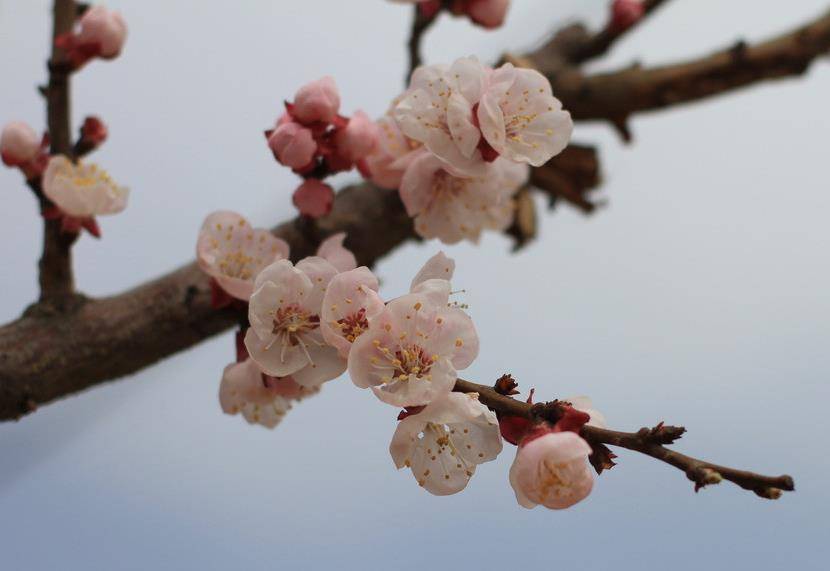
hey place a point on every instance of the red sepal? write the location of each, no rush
(241, 349)
(219, 298)
(410, 410)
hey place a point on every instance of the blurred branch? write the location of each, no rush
(648, 441)
(617, 95)
(421, 22)
(598, 44)
(57, 285)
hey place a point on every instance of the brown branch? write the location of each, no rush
(646, 441)
(57, 285)
(614, 96)
(599, 43)
(420, 24)
(45, 356)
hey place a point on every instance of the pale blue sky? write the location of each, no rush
(699, 297)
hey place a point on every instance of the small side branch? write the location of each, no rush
(420, 24)
(57, 285)
(616, 95)
(648, 441)
(601, 42)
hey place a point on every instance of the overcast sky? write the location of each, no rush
(698, 297)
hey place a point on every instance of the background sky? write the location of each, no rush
(698, 297)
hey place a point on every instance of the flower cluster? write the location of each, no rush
(72, 191)
(315, 141)
(311, 321)
(458, 145)
(486, 13)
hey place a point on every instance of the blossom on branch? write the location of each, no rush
(412, 350)
(233, 253)
(100, 33)
(468, 115)
(443, 443)
(244, 390)
(626, 13)
(551, 469)
(285, 337)
(19, 144)
(453, 207)
(313, 198)
(351, 300)
(486, 13)
(81, 191)
(388, 162)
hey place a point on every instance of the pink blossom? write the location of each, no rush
(393, 153)
(333, 251)
(313, 198)
(444, 443)
(317, 102)
(233, 253)
(101, 33)
(468, 115)
(284, 311)
(358, 138)
(437, 111)
(412, 350)
(82, 190)
(626, 13)
(351, 300)
(243, 389)
(521, 119)
(552, 470)
(452, 206)
(19, 144)
(488, 14)
(94, 132)
(293, 145)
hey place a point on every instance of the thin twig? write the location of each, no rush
(599, 43)
(420, 24)
(646, 441)
(57, 284)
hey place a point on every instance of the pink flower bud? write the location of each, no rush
(318, 101)
(358, 139)
(94, 130)
(487, 13)
(103, 28)
(19, 144)
(626, 13)
(293, 145)
(313, 198)
(552, 470)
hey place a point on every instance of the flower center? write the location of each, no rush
(237, 265)
(294, 321)
(353, 325)
(411, 360)
(552, 478)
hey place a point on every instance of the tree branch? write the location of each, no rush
(599, 43)
(46, 355)
(616, 95)
(420, 24)
(646, 441)
(57, 285)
